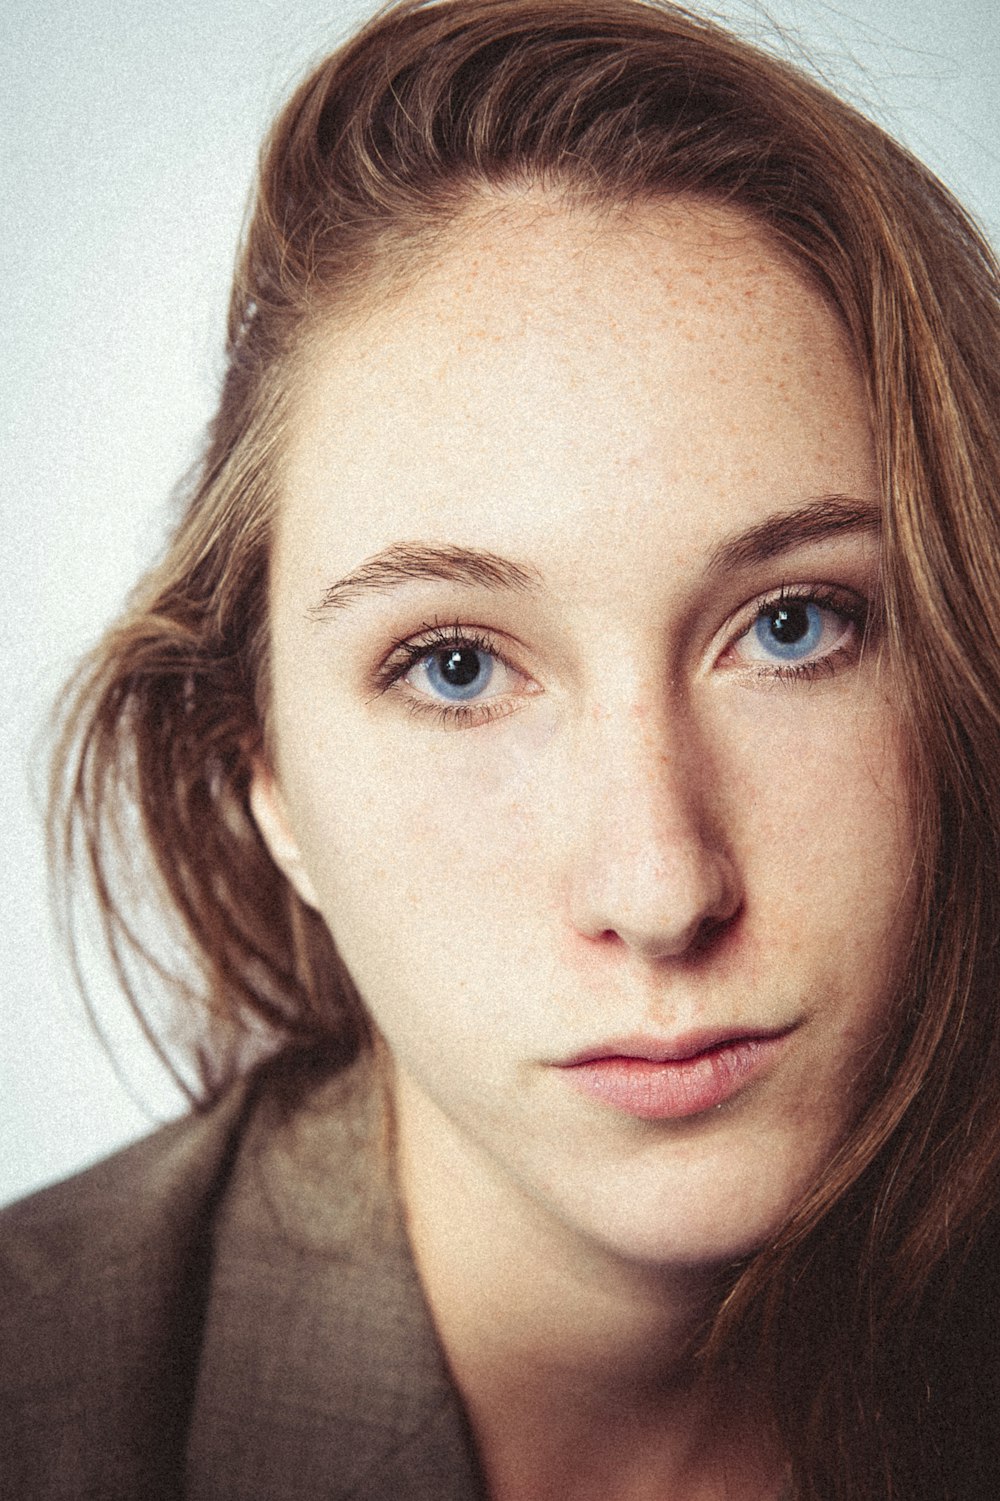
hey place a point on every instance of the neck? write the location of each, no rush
(575, 1364)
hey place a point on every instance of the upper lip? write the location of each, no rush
(673, 1049)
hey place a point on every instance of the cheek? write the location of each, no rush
(823, 830)
(440, 827)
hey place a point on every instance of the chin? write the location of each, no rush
(714, 1219)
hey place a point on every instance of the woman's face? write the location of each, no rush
(585, 750)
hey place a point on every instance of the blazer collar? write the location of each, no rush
(321, 1375)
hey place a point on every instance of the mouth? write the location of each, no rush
(656, 1079)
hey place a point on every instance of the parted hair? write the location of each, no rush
(864, 1315)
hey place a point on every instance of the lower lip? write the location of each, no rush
(670, 1090)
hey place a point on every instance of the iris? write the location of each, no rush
(459, 672)
(790, 630)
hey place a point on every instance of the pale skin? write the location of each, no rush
(645, 818)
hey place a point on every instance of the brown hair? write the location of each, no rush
(615, 102)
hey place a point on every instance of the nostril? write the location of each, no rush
(608, 939)
(713, 932)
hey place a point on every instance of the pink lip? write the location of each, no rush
(657, 1080)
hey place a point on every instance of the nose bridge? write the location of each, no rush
(650, 864)
(655, 791)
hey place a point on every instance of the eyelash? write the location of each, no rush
(408, 652)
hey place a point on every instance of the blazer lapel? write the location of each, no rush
(321, 1377)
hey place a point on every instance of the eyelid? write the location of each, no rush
(438, 635)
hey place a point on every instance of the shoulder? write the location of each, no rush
(102, 1279)
(229, 1310)
(108, 1210)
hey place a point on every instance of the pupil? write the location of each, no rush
(789, 623)
(459, 667)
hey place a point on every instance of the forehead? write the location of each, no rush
(550, 367)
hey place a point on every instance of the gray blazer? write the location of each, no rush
(227, 1311)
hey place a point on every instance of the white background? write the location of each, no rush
(129, 144)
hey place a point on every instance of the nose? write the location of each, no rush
(650, 867)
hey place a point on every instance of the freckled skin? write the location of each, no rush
(604, 401)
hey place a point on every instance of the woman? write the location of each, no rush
(564, 724)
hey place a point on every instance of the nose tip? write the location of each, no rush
(663, 909)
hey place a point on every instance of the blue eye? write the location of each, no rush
(457, 673)
(791, 634)
(791, 629)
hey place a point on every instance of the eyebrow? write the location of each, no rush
(821, 520)
(409, 562)
(412, 562)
